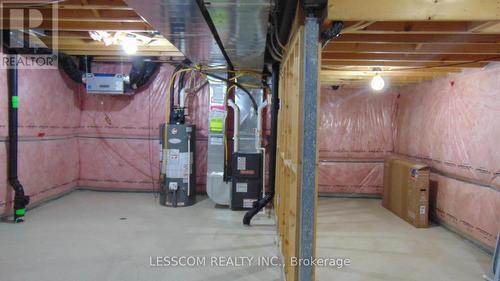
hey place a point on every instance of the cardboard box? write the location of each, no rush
(406, 191)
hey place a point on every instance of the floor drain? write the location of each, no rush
(122, 219)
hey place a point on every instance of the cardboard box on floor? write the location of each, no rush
(406, 191)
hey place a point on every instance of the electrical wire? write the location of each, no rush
(254, 103)
(275, 29)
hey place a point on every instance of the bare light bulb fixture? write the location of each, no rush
(129, 45)
(377, 82)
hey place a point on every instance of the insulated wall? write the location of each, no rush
(48, 148)
(119, 147)
(69, 138)
(356, 134)
(453, 125)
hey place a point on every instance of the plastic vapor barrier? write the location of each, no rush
(453, 125)
(119, 135)
(356, 134)
(69, 138)
(48, 149)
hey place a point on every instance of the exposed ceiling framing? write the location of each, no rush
(75, 18)
(410, 40)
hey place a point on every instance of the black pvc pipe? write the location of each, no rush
(20, 199)
(272, 149)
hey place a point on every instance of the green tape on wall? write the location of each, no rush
(15, 102)
(216, 125)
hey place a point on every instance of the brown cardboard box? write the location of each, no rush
(406, 190)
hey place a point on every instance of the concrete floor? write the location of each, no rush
(81, 237)
(112, 236)
(383, 247)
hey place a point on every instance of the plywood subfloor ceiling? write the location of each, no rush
(75, 18)
(411, 41)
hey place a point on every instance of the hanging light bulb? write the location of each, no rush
(129, 45)
(378, 82)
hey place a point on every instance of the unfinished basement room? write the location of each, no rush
(250, 140)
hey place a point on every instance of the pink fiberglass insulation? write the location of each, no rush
(471, 209)
(118, 141)
(356, 133)
(453, 125)
(363, 177)
(48, 149)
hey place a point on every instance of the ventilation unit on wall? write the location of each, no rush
(99, 83)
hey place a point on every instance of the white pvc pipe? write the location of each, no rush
(258, 142)
(182, 98)
(236, 126)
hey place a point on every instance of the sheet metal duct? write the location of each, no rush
(182, 23)
(241, 25)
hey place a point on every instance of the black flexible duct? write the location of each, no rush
(20, 199)
(142, 72)
(259, 205)
(286, 19)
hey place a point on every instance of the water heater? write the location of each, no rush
(178, 176)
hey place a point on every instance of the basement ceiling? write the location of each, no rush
(75, 18)
(411, 41)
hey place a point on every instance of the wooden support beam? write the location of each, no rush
(121, 53)
(401, 48)
(427, 27)
(96, 25)
(488, 26)
(366, 84)
(408, 64)
(411, 57)
(413, 10)
(357, 26)
(389, 68)
(94, 11)
(162, 43)
(370, 74)
(414, 27)
(419, 38)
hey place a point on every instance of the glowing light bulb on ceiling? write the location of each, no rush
(377, 82)
(129, 45)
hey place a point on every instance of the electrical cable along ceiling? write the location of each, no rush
(241, 27)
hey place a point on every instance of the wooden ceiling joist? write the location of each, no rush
(369, 74)
(409, 40)
(427, 27)
(419, 38)
(75, 18)
(411, 57)
(96, 25)
(119, 52)
(413, 10)
(412, 48)
(408, 64)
